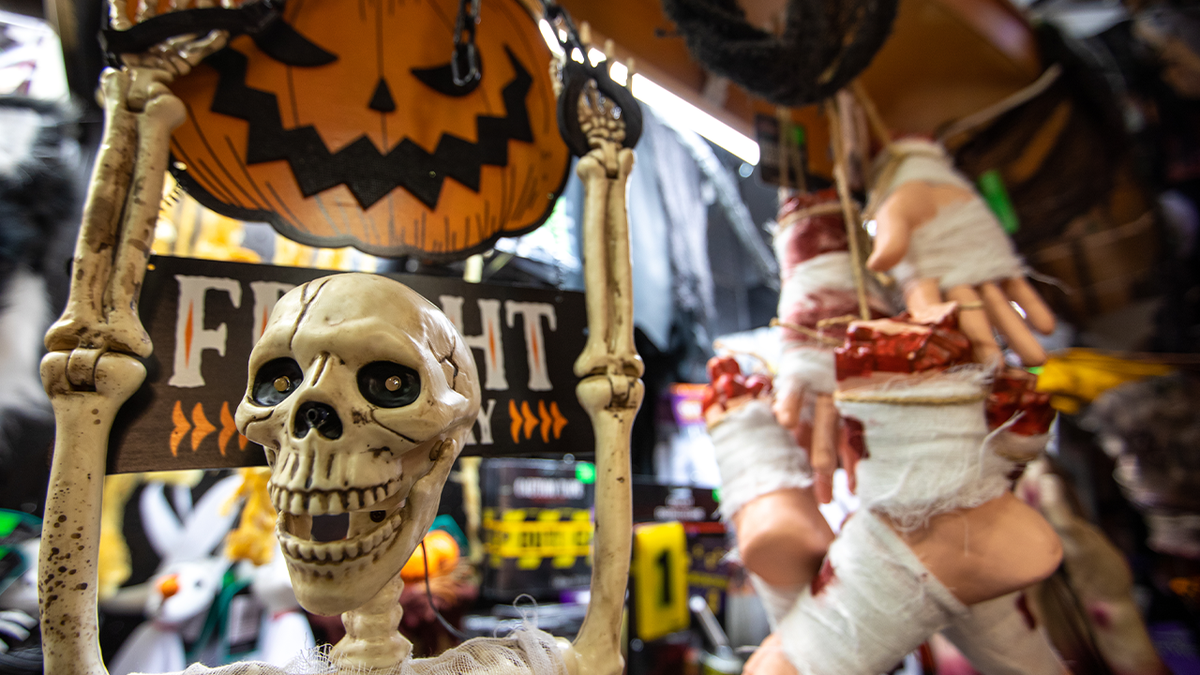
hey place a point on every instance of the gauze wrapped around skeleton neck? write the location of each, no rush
(927, 449)
(527, 651)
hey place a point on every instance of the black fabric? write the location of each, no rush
(261, 20)
(824, 46)
(368, 173)
(39, 208)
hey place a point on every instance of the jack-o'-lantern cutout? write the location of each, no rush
(348, 129)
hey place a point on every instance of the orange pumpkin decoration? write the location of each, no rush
(443, 553)
(352, 131)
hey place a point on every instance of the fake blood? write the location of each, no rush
(824, 577)
(1011, 396)
(814, 235)
(1023, 608)
(868, 350)
(726, 382)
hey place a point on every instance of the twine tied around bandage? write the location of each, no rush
(806, 331)
(854, 396)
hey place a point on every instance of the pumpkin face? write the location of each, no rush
(353, 133)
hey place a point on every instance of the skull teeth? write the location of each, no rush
(328, 502)
(340, 551)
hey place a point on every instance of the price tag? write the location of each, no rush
(660, 569)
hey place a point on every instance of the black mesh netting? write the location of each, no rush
(824, 46)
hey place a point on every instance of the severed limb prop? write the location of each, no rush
(611, 388)
(92, 368)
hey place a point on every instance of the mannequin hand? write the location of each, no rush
(797, 393)
(769, 659)
(983, 306)
(819, 434)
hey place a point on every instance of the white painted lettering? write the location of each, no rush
(191, 337)
(535, 340)
(266, 294)
(490, 341)
(485, 425)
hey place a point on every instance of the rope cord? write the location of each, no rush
(848, 210)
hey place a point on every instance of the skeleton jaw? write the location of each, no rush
(369, 530)
(343, 571)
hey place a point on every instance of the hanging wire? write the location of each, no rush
(458, 635)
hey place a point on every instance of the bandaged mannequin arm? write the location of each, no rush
(940, 239)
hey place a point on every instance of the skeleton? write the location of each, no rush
(360, 391)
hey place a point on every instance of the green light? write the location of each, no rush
(585, 472)
(8, 522)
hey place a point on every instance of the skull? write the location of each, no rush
(362, 392)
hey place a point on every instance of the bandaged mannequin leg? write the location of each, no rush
(931, 471)
(764, 493)
(871, 605)
(999, 637)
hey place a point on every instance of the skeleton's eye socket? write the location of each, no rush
(389, 385)
(276, 381)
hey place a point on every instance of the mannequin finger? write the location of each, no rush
(892, 237)
(850, 451)
(787, 404)
(1020, 291)
(822, 453)
(921, 294)
(1011, 325)
(973, 322)
(823, 487)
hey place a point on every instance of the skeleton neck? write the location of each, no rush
(373, 640)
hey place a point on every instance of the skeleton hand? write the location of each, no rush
(946, 245)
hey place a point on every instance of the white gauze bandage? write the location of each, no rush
(880, 604)
(756, 456)
(776, 600)
(926, 442)
(996, 637)
(963, 243)
(809, 368)
(821, 273)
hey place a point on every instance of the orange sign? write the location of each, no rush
(353, 131)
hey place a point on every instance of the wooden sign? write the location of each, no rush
(204, 318)
(344, 124)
